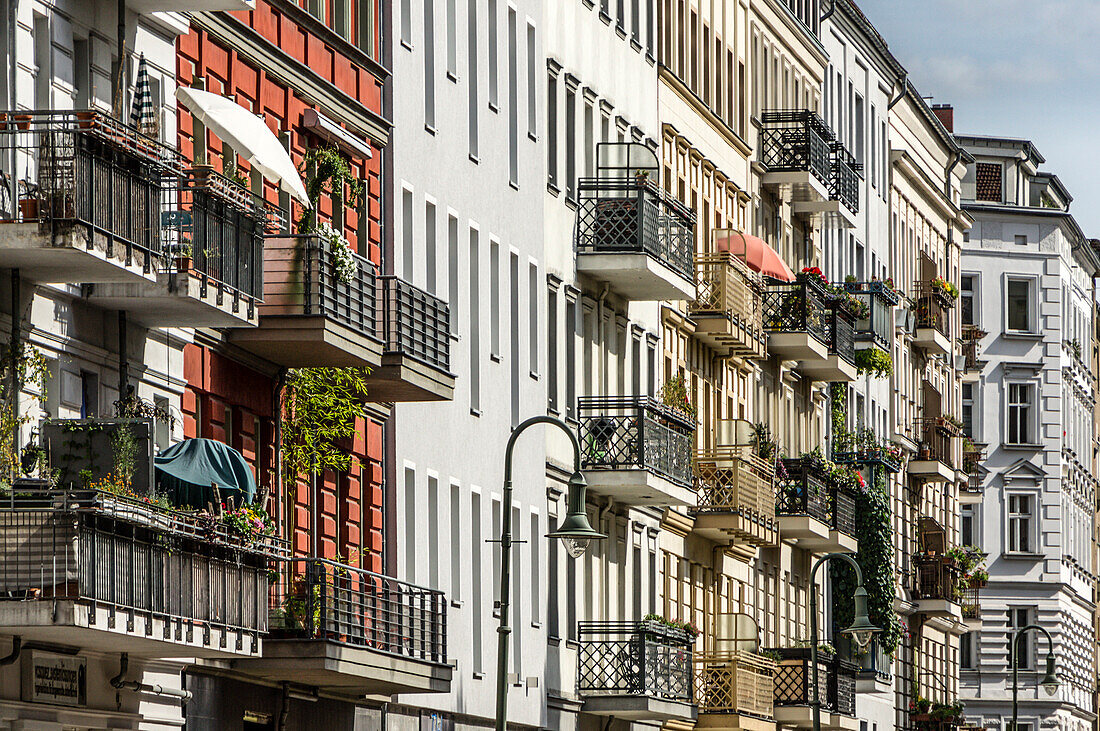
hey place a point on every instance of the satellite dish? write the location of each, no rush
(736, 632)
(734, 432)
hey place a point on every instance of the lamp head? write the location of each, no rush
(1050, 680)
(575, 531)
(861, 631)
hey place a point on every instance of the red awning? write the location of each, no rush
(756, 253)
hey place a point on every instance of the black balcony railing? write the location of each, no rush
(797, 141)
(872, 662)
(350, 300)
(878, 325)
(621, 215)
(798, 307)
(935, 440)
(100, 549)
(417, 324)
(933, 310)
(794, 681)
(635, 432)
(936, 577)
(86, 168)
(842, 334)
(971, 349)
(646, 658)
(323, 600)
(804, 493)
(844, 186)
(865, 448)
(968, 597)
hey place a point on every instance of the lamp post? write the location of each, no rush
(861, 630)
(575, 532)
(1049, 682)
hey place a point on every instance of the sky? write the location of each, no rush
(1016, 68)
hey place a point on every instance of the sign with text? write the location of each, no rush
(52, 678)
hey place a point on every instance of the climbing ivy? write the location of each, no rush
(320, 409)
(327, 171)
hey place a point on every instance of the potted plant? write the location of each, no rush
(641, 177)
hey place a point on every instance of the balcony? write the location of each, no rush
(864, 448)
(635, 238)
(736, 496)
(311, 316)
(934, 460)
(936, 586)
(794, 690)
(636, 450)
(351, 632)
(875, 666)
(108, 573)
(971, 349)
(210, 271)
(839, 365)
(877, 328)
(846, 174)
(728, 306)
(797, 322)
(972, 455)
(90, 196)
(933, 320)
(734, 690)
(812, 515)
(970, 603)
(635, 671)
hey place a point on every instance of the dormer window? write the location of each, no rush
(987, 176)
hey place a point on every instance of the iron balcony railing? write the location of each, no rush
(968, 597)
(797, 141)
(845, 177)
(798, 307)
(623, 215)
(842, 334)
(794, 681)
(878, 326)
(935, 440)
(318, 599)
(865, 448)
(417, 324)
(873, 662)
(635, 432)
(971, 336)
(728, 290)
(133, 558)
(936, 577)
(733, 481)
(646, 658)
(804, 493)
(735, 683)
(933, 309)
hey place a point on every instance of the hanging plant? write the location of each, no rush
(674, 394)
(327, 171)
(941, 285)
(320, 409)
(876, 362)
(343, 259)
(32, 369)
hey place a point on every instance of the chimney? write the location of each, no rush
(946, 115)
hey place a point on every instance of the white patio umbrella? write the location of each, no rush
(248, 134)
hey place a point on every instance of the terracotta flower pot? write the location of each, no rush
(28, 207)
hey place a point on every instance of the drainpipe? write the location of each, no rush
(16, 648)
(123, 358)
(955, 159)
(828, 14)
(121, 87)
(284, 712)
(139, 687)
(12, 178)
(600, 301)
(900, 82)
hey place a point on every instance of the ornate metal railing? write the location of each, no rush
(804, 493)
(794, 681)
(323, 600)
(933, 309)
(797, 141)
(417, 323)
(842, 334)
(971, 336)
(873, 662)
(865, 448)
(735, 481)
(935, 437)
(735, 683)
(635, 432)
(646, 658)
(621, 215)
(935, 577)
(727, 289)
(798, 307)
(968, 597)
(844, 186)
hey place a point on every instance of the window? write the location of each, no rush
(475, 320)
(966, 651)
(476, 593)
(1018, 310)
(164, 424)
(89, 395)
(513, 99)
(1021, 239)
(452, 39)
(430, 246)
(536, 568)
(967, 293)
(968, 409)
(494, 299)
(472, 80)
(406, 23)
(1021, 410)
(433, 531)
(570, 357)
(987, 180)
(494, 101)
(452, 272)
(552, 349)
(407, 234)
(552, 129)
(570, 140)
(968, 526)
(552, 628)
(1018, 618)
(410, 515)
(429, 64)
(1021, 519)
(533, 319)
(532, 83)
(457, 532)
(513, 333)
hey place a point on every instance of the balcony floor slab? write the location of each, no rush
(638, 487)
(71, 623)
(798, 346)
(308, 341)
(932, 470)
(733, 528)
(639, 708)
(345, 669)
(636, 277)
(733, 722)
(177, 299)
(833, 369)
(829, 212)
(932, 340)
(401, 378)
(803, 717)
(813, 535)
(71, 256)
(797, 186)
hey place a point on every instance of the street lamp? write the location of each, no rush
(575, 532)
(861, 631)
(1049, 683)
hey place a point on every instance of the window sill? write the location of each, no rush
(571, 202)
(456, 603)
(532, 136)
(534, 375)
(477, 676)
(495, 357)
(475, 159)
(620, 31)
(494, 108)
(453, 77)
(605, 17)
(429, 129)
(1022, 447)
(456, 337)
(649, 57)
(406, 45)
(573, 644)
(553, 189)
(475, 413)
(635, 44)
(1023, 556)
(553, 641)
(513, 185)
(1017, 335)
(536, 625)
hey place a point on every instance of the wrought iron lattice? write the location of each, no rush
(417, 323)
(844, 185)
(617, 215)
(842, 686)
(735, 682)
(797, 307)
(797, 141)
(794, 679)
(644, 658)
(936, 577)
(804, 493)
(733, 481)
(971, 604)
(727, 289)
(635, 432)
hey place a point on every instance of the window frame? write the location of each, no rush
(1032, 417)
(1012, 517)
(1032, 303)
(974, 295)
